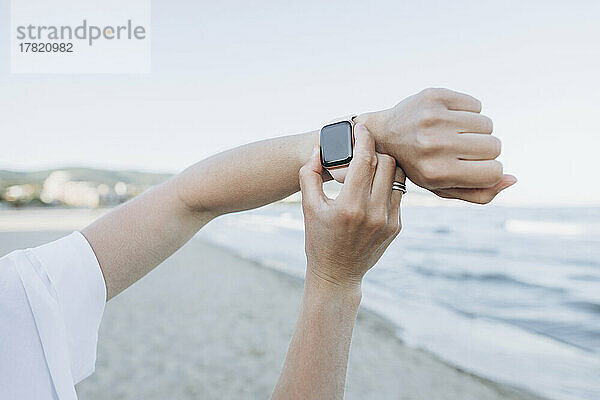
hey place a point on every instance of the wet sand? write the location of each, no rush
(207, 324)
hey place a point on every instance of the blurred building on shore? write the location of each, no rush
(74, 187)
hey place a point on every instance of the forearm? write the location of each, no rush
(246, 177)
(315, 366)
(134, 238)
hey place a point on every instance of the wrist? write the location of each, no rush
(348, 292)
(304, 151)
(377, 123)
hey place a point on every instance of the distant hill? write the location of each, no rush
(9, 178)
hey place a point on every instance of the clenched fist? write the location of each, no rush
(443, 143)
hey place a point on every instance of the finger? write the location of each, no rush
(394, 218)
(383, 179)
(478, 195)
(474, 146)
(472, 122)
(460, 101)
(472, 174)
(311, 182)
(362, 167)
(396, 196)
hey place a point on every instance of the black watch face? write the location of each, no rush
(336, 144)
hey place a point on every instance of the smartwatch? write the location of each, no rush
(336, 141)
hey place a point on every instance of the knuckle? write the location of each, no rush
(432, 94)
(428, 142)
(429, 117)
(377, 220)
(426, 93)
(432, 174)
(352, 215)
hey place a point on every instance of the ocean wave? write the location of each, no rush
(521, 226)
(494, 277)
(585, 277)
(430, 248)
(585, 339)
(585, 305)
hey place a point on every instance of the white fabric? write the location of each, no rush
(52, 299)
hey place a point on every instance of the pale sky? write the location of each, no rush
(227, 73)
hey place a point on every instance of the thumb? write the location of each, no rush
(311, 182)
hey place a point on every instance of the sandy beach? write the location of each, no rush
(207, 324)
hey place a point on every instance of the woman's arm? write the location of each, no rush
(134, 238)
(425, 134)
(344, 238)
(315, 367)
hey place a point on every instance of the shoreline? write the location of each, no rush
(381, 323)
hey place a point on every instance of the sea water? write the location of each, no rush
(510, 294)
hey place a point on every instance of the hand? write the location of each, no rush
(345, 237)
(443, 143)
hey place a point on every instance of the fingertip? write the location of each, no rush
(311, 165)
(363, 139)
(315, 160)
(362, 131)
(507, 181)
(302, 173)
(316, 154)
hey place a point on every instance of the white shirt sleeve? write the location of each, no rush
(52, 299)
